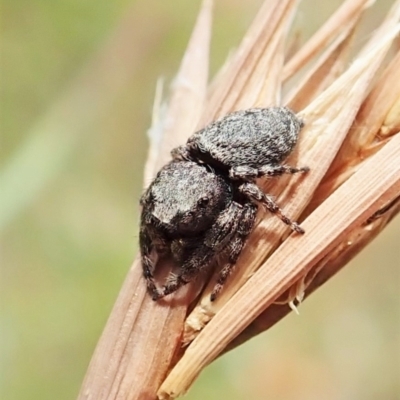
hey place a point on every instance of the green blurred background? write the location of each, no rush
(78, 81)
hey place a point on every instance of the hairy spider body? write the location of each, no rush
(255, 138)
(202, 206)
(191, 214)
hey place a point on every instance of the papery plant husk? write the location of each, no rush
(351, 144)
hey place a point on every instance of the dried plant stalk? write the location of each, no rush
(364, 139)
(329, 67)
(350, 206)
(141, 336)
(351, 245)
(141, 341)
(253, 57)
(340, 21)
(328, 120)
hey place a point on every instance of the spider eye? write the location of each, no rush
(203, 201)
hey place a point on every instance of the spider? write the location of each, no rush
(202, 205)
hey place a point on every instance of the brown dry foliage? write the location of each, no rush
(350, 142)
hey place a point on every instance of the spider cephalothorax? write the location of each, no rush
(202, 205)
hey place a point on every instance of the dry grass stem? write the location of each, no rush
(329, 265)
(252, 58)
(322, 74)
(367, 135)
(340, 22)
(349, 207)
(328, 121)
(351, 143)
(141, 336)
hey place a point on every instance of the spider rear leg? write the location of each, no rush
(254, 193)
(278, 170)
(246, 173)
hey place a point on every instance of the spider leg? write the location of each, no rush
(198, 260)
(278, 170)
(249, 174)
(243, 172)
(147, 263)
(181, 153)
(254, 193)
(215, 240)
(235, 247)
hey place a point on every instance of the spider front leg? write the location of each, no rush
(235, 247)
(209, 247)
(254, 193)
(193, 265)
(246, 173)
(181, 153)
(145, 243)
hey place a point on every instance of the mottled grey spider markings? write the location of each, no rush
(201, 206)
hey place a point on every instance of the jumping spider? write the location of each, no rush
(201, 206)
